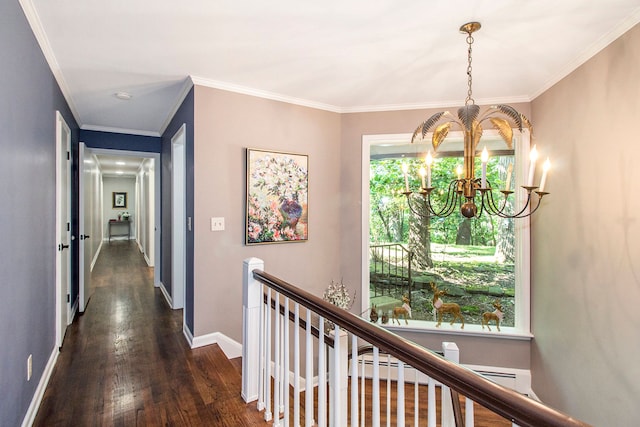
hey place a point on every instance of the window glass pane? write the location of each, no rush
(472, 260)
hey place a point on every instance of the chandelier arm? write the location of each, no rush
(493, 209)
(452, 197)
(532, 210)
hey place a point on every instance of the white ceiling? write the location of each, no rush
(119, 166)
(356, 55)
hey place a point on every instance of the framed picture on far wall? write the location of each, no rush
(277, 191)
(119, 200)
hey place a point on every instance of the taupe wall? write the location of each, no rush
(225, 124)
(585, 279)
(473, 350)
(585, 246)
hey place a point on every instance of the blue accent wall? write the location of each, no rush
(121, 141)
(185, 114)
(29, 98)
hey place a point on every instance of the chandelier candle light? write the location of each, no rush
(463, 190)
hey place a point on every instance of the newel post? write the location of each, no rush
(251, 300)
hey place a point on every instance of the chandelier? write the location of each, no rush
(467, 191)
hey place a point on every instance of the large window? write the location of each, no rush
(477, 262)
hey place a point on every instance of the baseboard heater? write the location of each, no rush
(515, 379)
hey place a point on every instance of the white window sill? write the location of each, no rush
(423, 326)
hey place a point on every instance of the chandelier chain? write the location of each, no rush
(469, 99)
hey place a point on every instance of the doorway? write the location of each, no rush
(63, 228)
(98, 166)
(179, 220)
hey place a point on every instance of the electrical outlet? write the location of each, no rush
(217, 224)
(29, 367)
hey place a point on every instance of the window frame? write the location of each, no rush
(522, 320)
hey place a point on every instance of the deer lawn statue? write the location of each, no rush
(385, 318)
(373, 315)
(496, 315)
(404, 311)
(442, 307)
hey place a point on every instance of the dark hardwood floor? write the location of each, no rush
(125, 362)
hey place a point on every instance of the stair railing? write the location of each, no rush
(272, 366)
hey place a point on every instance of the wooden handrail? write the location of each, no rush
(501, 400)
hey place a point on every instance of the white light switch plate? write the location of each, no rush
(217, 224)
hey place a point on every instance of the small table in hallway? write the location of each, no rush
(119, 223)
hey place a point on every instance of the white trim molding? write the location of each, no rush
(95, 257)
(30, 416)
(38, 30)
(167, 297)
(230, 87)
(231, 348)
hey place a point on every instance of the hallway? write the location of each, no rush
(126, 362)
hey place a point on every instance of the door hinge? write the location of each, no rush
(68, 156)
(68, 227)
(68, 298)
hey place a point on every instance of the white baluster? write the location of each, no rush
(388, 390)
(308, 388)
(468, 413)
(296, 365)
(416, 399)
(268, 415)
(276, 367)
(431, 403)
(400, 383)
(285, 365)
(452, 354)
(338, 378)
(334, 378)
(362, 393)
(354, 380)
(375, 410)
(322, 376)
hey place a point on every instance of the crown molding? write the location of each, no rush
(216, 84)
(38, 31)
(120, 130)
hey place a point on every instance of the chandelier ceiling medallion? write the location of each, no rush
(464, 190)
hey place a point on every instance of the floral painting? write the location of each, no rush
(276, 197)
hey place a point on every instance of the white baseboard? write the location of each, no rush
(74, 311)
(166, 295)
(30, 416)
(147, 260)
(230, 347)
(95, 257)
(187, 334)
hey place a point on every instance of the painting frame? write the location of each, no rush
(119, 199)
(276, 197)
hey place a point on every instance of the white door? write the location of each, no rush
(84, 223)
(63, 228)
(178, 210)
